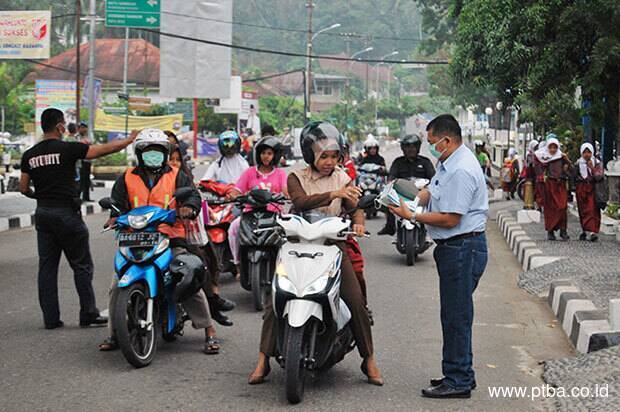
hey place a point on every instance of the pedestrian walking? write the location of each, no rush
(457, 203)
(556, 172)
(50, 165)
(509, 174)
(86, 164)
(589, 174)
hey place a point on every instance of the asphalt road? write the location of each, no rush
(63, 370)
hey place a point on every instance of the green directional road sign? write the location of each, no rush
(132, 13)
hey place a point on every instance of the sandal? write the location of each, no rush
(212, 346)
(108, 345)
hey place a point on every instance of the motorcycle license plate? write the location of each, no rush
(136, 239)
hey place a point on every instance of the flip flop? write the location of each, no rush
(212, 346)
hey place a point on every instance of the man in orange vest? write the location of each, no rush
(153, 183)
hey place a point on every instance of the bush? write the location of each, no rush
(115, 159)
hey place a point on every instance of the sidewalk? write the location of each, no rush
(578, 279)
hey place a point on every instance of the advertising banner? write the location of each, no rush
(59, 94)
(112, 123)
(25, 34)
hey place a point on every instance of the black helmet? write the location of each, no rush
(317, 137)
(188, 271)
(229, 140)
(268, 142)
(411, 139)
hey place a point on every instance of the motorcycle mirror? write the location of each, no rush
(182, 194)
(108, 203)
(366, 201)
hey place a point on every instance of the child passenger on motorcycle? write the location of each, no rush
(324, 187)
(265, 175)
(153, 182)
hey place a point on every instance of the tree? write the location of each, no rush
(534, 51)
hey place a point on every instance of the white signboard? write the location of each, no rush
(25, 34)
(233, 103)
(191, 69)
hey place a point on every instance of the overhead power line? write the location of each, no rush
(287, 29)
(275, 28)
(271, 76)
(291, 54)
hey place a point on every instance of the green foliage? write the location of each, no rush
(281, 112)
(613, 210)
(115, 159)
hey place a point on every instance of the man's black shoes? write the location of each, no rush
(56, 325)
(437, 382)
(95, 321)
(220, 318)
(443, 391)
(386, 231)
(223, 304)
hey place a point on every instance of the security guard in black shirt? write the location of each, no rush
(411, 164)
(50, 164)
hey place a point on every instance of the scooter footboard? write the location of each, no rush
(298, 311)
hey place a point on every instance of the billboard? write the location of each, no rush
(189, 68)
(59, 94)
(25, 34)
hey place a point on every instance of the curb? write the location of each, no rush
(587, 328)
(25, 220)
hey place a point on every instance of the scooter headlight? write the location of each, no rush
(317, 286)
(139, 221)
(286, 285)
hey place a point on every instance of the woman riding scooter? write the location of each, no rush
(265, 175)
(325, 187)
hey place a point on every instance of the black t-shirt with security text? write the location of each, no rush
(51, 166)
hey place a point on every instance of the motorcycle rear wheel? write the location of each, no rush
(295, 370)
(137, 343)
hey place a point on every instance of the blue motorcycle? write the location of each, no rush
(151, 283)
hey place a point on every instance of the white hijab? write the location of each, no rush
(543, 154)
(532, 146)
(583, 163)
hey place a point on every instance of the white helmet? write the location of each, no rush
(371, 142)
(478, 142)
(147, 138)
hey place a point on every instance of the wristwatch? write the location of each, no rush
(413, 216)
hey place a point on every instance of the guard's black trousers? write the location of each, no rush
(59, 230)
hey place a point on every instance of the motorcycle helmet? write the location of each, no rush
(229, 142)
(152, 139)
(188, 271)
(478, 143)
(319, 137)
(268, 142)
(371, 142)
(411, 140)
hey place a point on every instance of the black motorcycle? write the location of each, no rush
(259, 243)
(410, 237)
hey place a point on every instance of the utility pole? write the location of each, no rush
(91, 72)
(78, 38)
(366, 44)
(310, 7)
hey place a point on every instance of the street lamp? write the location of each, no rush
(353, 56)
(394, 53)
(309, 67)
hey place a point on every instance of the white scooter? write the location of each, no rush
(313, 321)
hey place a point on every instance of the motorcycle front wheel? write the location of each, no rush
(136, 341)
(259, 292)
(295, 370)
(410, 246)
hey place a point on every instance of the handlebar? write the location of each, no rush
(352, 233)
